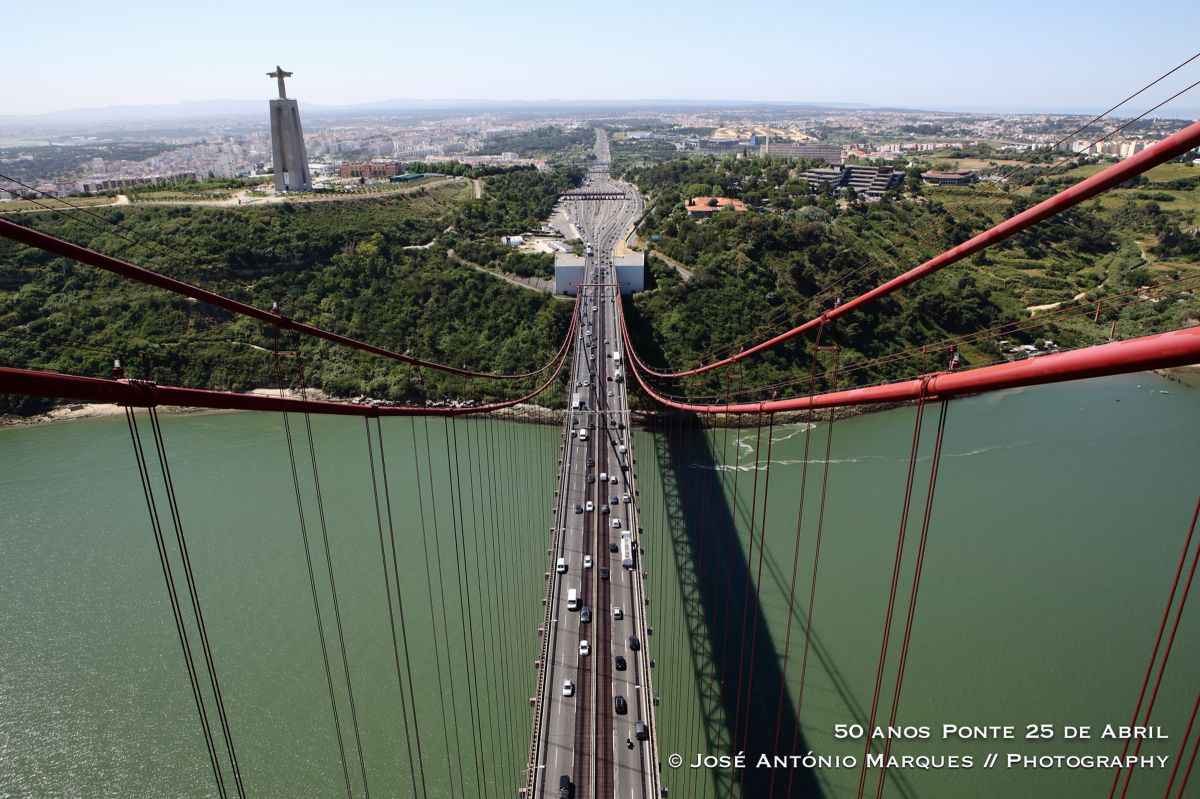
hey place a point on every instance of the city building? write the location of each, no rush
(631, 271)
(109, 184)
(937, 178)
(568, 273)
(868, 181)
(829, 153)
(287, 141)
(372, 169)
(723, 147)
(704, 207)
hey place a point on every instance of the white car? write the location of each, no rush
(561, 567)
(621, 449)
(626, 498)
(618, 613)
(587, 561)
(616, 523)
(613, 479)
(568, 688)
(589, 507)
(584, 648)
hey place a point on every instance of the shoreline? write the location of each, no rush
(524, 412)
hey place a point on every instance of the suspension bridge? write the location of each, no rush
(596, 686)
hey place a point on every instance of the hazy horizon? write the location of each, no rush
(1024, 58)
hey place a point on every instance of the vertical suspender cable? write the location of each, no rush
(312, 580)
(737, 708)
(454, 477)
(1187, 773)
(194, 596)
(387, 585)
(1162, 626)
(816, 565)
(437, 653)
(762, 543)
(441, 572)
(887, 621)
(481, 585)
(787, 636)
(337, 613)
(504, 615)
(172, 593)
(1162, 666)
(387, 496)
(916, 585)
(1187, 735)
(312, 584)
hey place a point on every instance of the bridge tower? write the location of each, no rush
(287, 141)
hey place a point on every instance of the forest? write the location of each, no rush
(379, 269)
(758, 273)
(349, 266)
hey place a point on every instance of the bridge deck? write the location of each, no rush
(583, 736)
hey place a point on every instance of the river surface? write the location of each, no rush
(1059, 518)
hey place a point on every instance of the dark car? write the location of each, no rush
(578, 508)
(585, 615)
(620, 662)
(604, 509)
(612, 546)
(591, 478)
(634, 644)
(591, 461)
(620, 425)
(565, 789)
(603, 572)
(641, 731)
(591, 425)
(612, 499)
(620, 705)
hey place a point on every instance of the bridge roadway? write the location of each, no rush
(582, 735)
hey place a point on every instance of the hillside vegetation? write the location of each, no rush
(352, 267)
(755, 273)
(378, 269)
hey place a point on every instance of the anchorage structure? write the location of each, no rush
(287, 140)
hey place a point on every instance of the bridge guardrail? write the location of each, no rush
(532, 770)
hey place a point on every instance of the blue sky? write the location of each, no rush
(940, 55)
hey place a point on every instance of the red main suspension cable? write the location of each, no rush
(140, 393)
(1157, 351)
(1162, 151)
(66, 249)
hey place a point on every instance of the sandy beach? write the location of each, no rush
(524, 412)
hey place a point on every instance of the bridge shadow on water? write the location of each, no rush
(739, 706)
(744, 703)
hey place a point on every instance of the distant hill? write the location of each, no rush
(209, 109)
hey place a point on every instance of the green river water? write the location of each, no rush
(1059, 519)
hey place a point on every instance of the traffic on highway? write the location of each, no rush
(596, 711)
